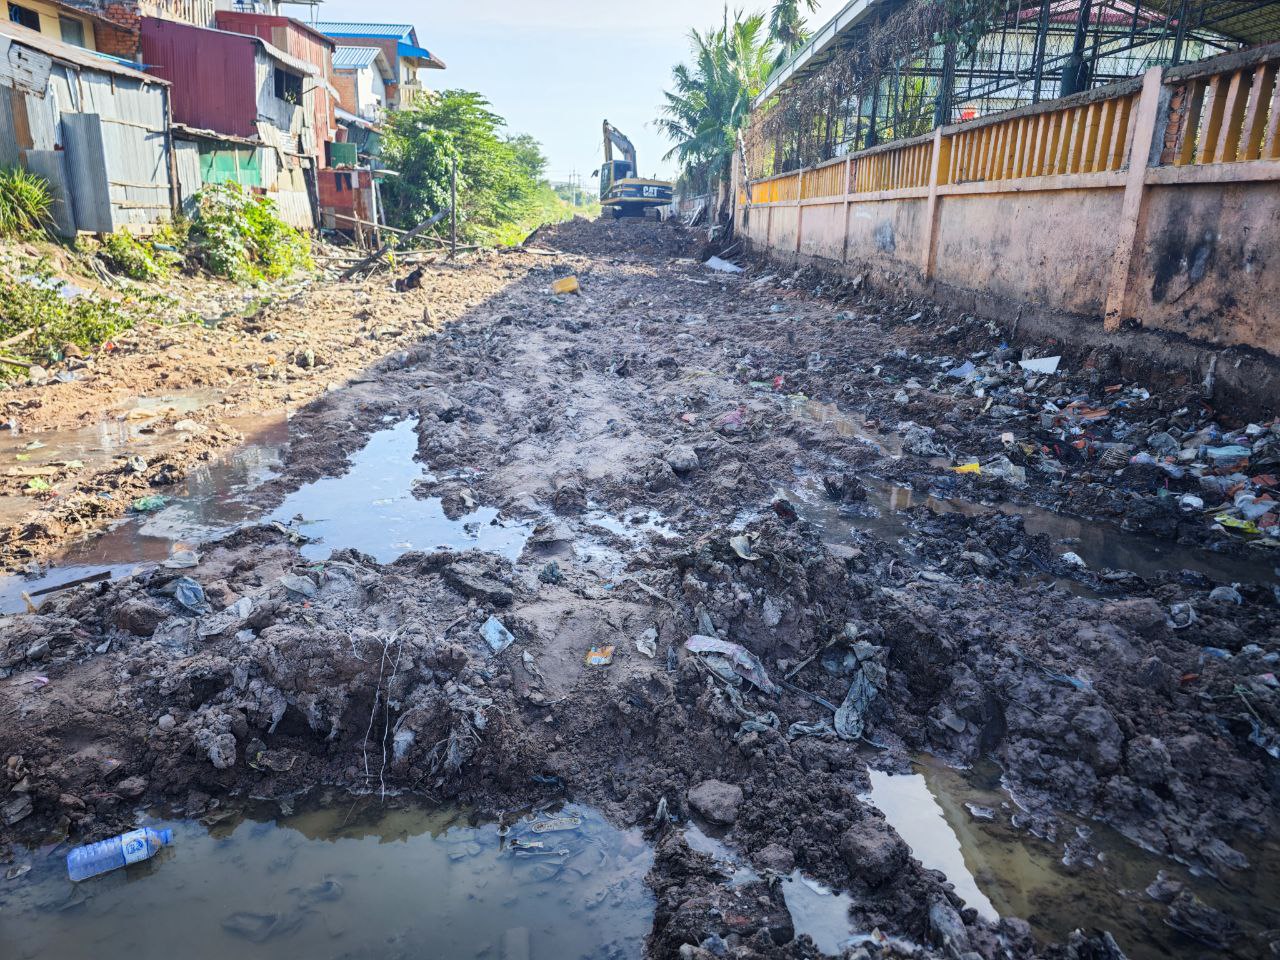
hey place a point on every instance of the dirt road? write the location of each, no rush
(743, 488)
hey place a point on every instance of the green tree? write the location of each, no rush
(500, 177)
(787, 28)
(711, 97)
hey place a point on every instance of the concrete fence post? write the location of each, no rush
(937, 160)
(848, 189)
(1144, 150)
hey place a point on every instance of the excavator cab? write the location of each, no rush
(622, 192)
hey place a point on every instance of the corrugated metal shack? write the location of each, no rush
(98, 131)
(243, 110)
(298, 40)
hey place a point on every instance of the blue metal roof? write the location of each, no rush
(354, 58)
(409, 50)
(387, 31)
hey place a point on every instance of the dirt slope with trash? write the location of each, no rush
(775, 530)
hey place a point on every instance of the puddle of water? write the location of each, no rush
(1019, 875)
(914, 812)
(372, 508)
(347, 881)
(98, 445)
(633, 526)
(821, 913)
(212, 500)
(1100, 544)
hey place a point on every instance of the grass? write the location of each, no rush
(25, 202)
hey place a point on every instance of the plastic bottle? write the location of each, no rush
(106, 855)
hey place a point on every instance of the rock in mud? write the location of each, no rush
(873, 853)
(716, 800)
(777, 858)
(140, 617)
(473, 580)
(682, 459)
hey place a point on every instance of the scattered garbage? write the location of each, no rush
(496, 635)
(599, 656)
(1074, 559)
(189, 594)
(973, 467)
(104, 856)
(182, 560)
(302, 586)
(565, 285)
(647, 643)
(741, 545)
(722, 266)
(1041, 365)
(149, 503)
(869, 676)
(741, 661)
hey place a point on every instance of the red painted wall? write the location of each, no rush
(212, 75)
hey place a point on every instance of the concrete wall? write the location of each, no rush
(1107, 220)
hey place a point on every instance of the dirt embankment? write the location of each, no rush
(673, 491)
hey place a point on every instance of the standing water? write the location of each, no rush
(348, 879)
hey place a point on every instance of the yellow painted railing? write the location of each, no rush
(1225, 117)
(1089, 138)
(894, 169)
(1225, 110)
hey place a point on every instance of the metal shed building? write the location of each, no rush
(98, 131)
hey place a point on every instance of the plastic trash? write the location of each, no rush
(745, 663)
(188, 593)
(146, 504)
(974, 467)
(722, 266)
(962, 372)
(647, 643)
(496, 635)
(600, 656)
(1041, 365)
(107, 855)
(566, 285)
(1228, 454)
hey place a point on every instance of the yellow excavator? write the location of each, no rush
(622, 192)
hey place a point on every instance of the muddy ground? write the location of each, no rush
(670, 396)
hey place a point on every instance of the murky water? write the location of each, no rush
(372, 508)
(348, 880)
(212, 500)
(128, 428)
(1100, 544)
(1015, 874)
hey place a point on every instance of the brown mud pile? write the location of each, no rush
(640, 431)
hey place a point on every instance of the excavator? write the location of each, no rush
(622, 193)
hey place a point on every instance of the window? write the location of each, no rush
(24, 17)
(72, 31)
(288, 86)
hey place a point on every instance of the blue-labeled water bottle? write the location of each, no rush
(106, 855)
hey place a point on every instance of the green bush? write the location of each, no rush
(134, 258)
(237, 234)
(35, 302)
(25, 202)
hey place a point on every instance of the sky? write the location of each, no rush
(557, 68)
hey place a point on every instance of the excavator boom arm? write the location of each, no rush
(614, 138)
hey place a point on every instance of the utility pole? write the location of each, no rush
(453, 209)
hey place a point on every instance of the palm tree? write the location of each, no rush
(786, 26)
(711, 96)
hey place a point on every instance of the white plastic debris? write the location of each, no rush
(1041, 364)
(722, 266)
(1074, 559)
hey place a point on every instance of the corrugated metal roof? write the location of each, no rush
(77, 56)
(354, 58)
(389, 31)
(421, 53)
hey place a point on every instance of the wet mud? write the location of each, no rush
(600, 548)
